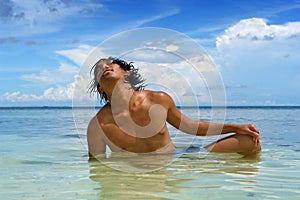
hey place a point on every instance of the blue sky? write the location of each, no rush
(254, 44)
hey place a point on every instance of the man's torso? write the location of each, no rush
(134, 129)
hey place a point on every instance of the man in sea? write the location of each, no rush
(134, 119)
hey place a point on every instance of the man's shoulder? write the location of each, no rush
(157, 97)
(104, 114)
(104, 109)
(151, 93)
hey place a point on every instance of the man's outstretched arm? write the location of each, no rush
(201, 128)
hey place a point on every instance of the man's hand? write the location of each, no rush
(249, 129)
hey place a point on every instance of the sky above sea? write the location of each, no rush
(254, 45)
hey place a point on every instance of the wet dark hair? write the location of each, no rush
(134, 78)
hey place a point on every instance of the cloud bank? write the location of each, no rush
(261, 57)
(243, 51)
(257, 29)
(36, 17)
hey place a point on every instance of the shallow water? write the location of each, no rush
(43, 156)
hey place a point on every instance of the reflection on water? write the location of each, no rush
(190, 171)
(114, 184)
(135, 163)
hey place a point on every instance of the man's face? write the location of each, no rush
(107, 71)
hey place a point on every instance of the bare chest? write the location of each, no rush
(140, 128)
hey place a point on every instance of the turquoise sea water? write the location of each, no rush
(43, 156)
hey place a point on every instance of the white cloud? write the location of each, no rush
(257, 29)
(64, 74)
(57, 94)
(75, 91)
(35, 16)
(171, 48)
(69, 82)
(187, 84)
(176, 64)
(260, 56)
(253, 41)
(162, 69)
(77, 55)
(151, 55)
(155, 18)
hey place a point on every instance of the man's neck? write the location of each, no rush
(119, 97)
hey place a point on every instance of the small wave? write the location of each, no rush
(72, 136)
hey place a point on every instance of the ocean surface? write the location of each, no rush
(43, 155)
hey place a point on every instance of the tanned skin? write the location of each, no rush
(127, 123)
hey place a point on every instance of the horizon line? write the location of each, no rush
(190, 106)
